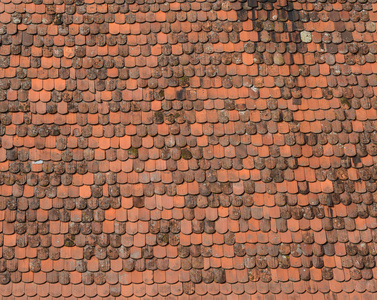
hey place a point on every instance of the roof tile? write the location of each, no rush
(234, 145)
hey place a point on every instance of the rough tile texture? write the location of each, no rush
(191, 149)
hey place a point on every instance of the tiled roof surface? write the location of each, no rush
(188, 149)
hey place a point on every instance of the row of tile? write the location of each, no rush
(355, 248)
(309, 290)
(205, 189)
(261, 172)
(238, 112)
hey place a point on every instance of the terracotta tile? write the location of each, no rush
(85, 191)
(257, 117)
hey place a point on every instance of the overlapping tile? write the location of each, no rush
(181, 149)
